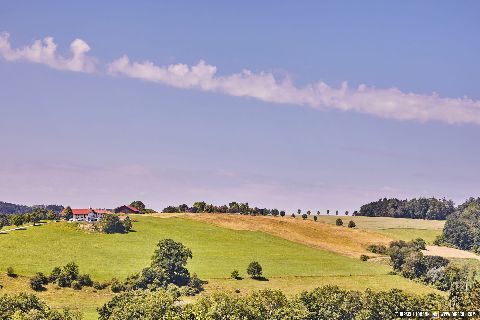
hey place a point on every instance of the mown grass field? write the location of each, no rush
(395, 228)
(289, 265)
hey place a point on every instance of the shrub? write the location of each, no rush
(304, 216)
(315, 218)
(127, 224)
(254, 269)
(116, 286)
(111, 223)
(339, 222)
(351, 224)
(364, 257)
(76, 285)
(54, 274)
(38, 281)
(377, 248)
(195, 285)
(293, 215)
(418, 244)
(99, 285)
(85, 280)
(235, 275)
(282, 213)
(11, 273)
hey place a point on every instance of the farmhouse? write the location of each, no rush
(89, 214)
(126, 209)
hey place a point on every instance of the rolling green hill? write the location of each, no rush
(217, 251)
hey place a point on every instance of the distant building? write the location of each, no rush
(126, 209)
(89, 214)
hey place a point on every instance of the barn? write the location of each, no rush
(126, 209)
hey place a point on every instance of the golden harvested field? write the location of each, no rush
(342, 240)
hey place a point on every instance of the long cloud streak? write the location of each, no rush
(387, 103)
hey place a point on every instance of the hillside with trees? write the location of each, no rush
(11, 208)
(462, 228)
(421, 208)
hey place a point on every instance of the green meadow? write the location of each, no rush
(217, 251)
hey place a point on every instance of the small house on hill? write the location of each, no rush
(89, 214)
(126, 209)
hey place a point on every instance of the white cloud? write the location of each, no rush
(45, 52)
(387, 103)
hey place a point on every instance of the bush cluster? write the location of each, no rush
(167, 268)
(329, 302)
(66, 276)
(29, 307)
(407, 259)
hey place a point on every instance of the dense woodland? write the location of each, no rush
(462, 228)
(10, 208)
(421, 208)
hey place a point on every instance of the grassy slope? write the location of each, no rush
(395, 228)
(217, 251)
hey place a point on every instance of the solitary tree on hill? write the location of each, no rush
(254, 269)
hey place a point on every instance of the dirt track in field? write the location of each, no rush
(450, 253)
(342, 240)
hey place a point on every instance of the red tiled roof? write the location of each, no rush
(87, 211)
(133, 208)
(81, 211)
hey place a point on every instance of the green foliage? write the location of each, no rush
(315, 218)
(54, 274)
(17, 219)
(38, 281)
(254, 269)
(28, 307)
(462, 228)
(11, 273)
(282, 213)
(339, 222)
(141, 305)
(127, 224)
(76, 285)
(304, 216)
(139, 205)
(407, 258)
(422, 208)
(351, 224)
(67, 275)
(364, 257)
(377, 248)
(67, 213)
(110, 223)
(235, 275)
(85, 280)
(116, 286)
(170, 258)
(99, 285)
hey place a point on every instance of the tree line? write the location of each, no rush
(421, 208)
(11, 208)
(462, 228)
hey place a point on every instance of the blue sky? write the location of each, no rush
(98, 131)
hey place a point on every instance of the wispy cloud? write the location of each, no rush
(45, 52)
(387, 103)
